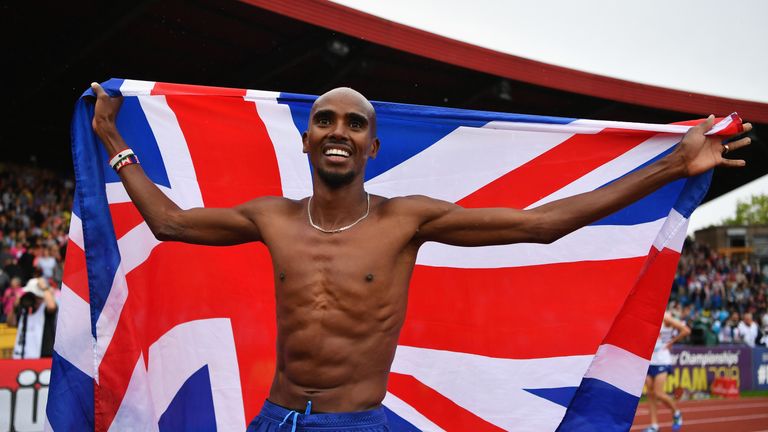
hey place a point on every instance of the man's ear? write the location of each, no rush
(375, 144)
(305, 142)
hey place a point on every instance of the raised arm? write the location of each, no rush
(217, 226)
(448, 223)
(682, 330)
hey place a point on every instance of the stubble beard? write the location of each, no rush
(336, 180)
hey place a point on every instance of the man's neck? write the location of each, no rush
(334, 207)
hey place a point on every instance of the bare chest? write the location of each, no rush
(368, 264)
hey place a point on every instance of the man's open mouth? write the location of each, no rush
(336, 152)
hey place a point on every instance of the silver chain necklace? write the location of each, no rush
(344, 228)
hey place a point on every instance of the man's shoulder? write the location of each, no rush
(407, 203)
(411, 200)
(268, 205)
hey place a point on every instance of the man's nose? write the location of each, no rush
(339, 130)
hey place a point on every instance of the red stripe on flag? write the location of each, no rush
(75, 273)
(519, 312)
(553, 170)
(162, 88)
(736, 126)
(637, 326)
(232, 153)
(125, 217)
(436, 407)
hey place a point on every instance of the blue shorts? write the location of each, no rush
(271, 416)
(654, 370)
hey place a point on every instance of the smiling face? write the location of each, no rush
(341, 136)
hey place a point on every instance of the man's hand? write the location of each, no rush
(104, 116)
(105, 112)
(699, 152)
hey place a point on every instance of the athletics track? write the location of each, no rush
(713, 415)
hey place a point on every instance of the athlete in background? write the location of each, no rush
(661, 365)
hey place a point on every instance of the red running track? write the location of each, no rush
(713, 415)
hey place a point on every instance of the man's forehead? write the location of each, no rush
(346, 99)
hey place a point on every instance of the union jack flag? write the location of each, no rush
(169, 336)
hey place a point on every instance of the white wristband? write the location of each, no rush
(120, 155)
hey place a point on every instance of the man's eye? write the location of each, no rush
(323, 121)
(355, 124)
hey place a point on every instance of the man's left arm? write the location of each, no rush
(452, 224)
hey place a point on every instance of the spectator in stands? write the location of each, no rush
(763, 337)
(35, 316)
(747, 330)
(11, 296)
(712, 285)
(34, 220)
(46, 262)
(728, 333)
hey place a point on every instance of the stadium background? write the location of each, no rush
(53, 52)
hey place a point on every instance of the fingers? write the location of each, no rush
(735, 145)
(747, 127)
(706, 124)
(97, 89)
(733, 163)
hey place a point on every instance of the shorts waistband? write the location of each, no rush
(373, 417)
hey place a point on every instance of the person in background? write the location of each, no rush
(672, 330)
(35, 317)
(728, 333)
(763, 341)
(46, 262)
(11, 296)
(747, 330)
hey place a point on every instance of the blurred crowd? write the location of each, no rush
(722, 299)
(34, 221)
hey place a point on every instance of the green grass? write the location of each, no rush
(754, 393)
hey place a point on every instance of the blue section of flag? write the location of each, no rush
(653, 207)
(694, 191)
(559, 395)
(137, 133)
(70, 397)
(192, 405)
(599, 406)
(76, 205)
(397, 423)
(101, 253)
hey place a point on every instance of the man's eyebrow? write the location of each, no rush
(358, 117)
(322, 113)
(351, 115)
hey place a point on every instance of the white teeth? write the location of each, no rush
(336, 152)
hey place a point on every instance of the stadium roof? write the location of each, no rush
(309, 46)
(680, 55)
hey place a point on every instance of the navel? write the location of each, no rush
(282, 276)
(369, 277)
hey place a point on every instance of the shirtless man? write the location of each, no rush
(343, 258)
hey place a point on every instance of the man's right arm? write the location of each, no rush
(215, 226)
